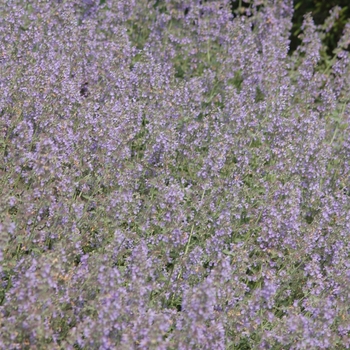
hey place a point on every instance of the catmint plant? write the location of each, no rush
(172, 177)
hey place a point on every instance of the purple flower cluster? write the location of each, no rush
(172, 177)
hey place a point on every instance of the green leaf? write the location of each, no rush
(227, 252)
(298, 5)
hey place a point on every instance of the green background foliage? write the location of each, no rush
(319, 10)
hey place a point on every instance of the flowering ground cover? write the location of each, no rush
(172, 178)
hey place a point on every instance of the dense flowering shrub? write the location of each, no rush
(171, 178)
